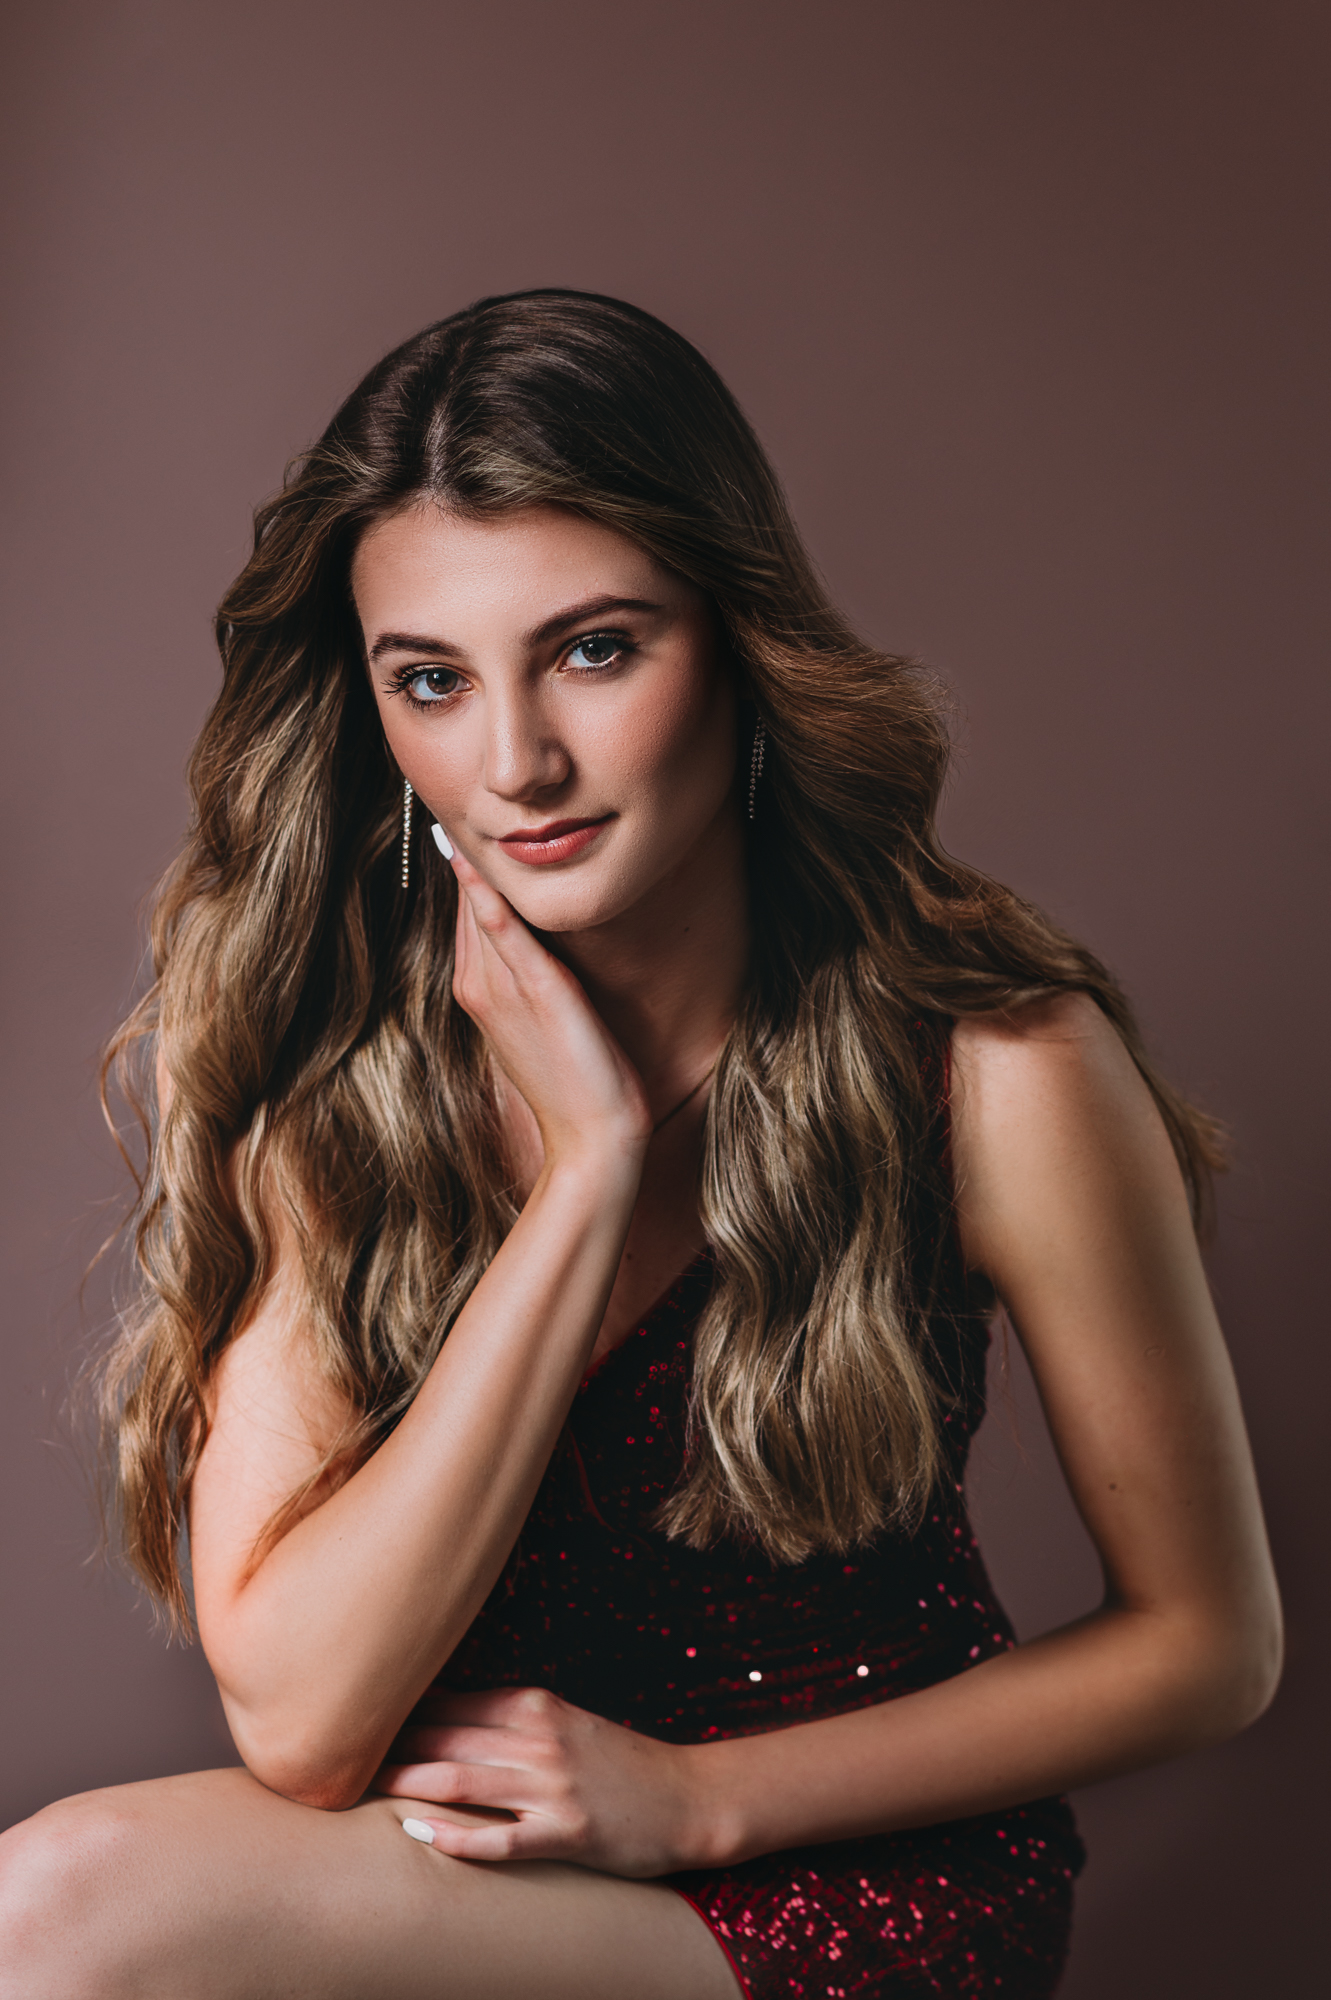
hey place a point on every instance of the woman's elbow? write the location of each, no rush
(1234, 1670)
(1257, 1672)
(325, 1791)
(300, 1768)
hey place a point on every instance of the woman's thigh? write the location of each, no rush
(208, 1887)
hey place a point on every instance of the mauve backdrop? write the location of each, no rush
(1029, 302)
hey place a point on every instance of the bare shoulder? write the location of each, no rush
(1046, 1057)
(1050, 1031)
(1052, 1122)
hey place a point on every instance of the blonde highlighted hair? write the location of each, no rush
(302, 1003)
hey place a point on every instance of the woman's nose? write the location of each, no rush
(523, 755)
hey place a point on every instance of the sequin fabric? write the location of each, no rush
(596, 1604)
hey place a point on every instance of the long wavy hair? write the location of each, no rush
(302, 1001)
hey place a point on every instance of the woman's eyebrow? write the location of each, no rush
(575, 614)
(406, 642)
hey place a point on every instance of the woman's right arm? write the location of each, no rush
(322, 1647)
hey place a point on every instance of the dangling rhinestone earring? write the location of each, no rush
(756, 761)
(407, 796)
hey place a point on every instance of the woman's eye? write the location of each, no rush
(598, 649)
(431, 684)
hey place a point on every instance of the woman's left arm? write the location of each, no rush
(1070, 1199)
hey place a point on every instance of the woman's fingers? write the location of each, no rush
(577, 1787)
(477, 945)
(492, 1749)
(499, 963)
(502, 1707)
(470, 982)
(511, 1840)
(484, 905)
(494, 922)
(546, 1035)
(451, 1744)
(494, 1786)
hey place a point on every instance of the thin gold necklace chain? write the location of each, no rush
(687, 1099)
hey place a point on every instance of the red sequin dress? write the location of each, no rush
(596, 1604)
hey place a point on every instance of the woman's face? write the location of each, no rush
(559, 701)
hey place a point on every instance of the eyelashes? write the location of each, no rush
(424, 688)
(619, 646)
(407, 679)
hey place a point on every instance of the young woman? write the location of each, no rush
(596, 1122)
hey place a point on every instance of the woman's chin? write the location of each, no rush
(576, 902)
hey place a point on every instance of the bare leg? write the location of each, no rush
(210, 1888)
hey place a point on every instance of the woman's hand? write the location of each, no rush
(570, 1786)
(546, 1036)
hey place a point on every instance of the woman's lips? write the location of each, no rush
(558, 841)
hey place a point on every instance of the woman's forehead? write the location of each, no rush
(521, 568)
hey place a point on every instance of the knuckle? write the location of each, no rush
(531, 1754)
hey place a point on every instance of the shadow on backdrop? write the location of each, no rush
(1030, 305)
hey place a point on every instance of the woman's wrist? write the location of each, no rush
(711, 1833)
(597, 1164)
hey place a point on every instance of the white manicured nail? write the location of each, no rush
(445, 846)
(419, 1830)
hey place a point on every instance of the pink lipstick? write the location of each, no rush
(560, 840)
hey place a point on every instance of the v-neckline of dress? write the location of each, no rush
(645, 1320)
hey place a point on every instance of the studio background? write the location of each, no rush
(1029, 304)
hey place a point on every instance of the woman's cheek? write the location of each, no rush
(679, 750)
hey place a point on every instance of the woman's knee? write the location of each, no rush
(67, 1878)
